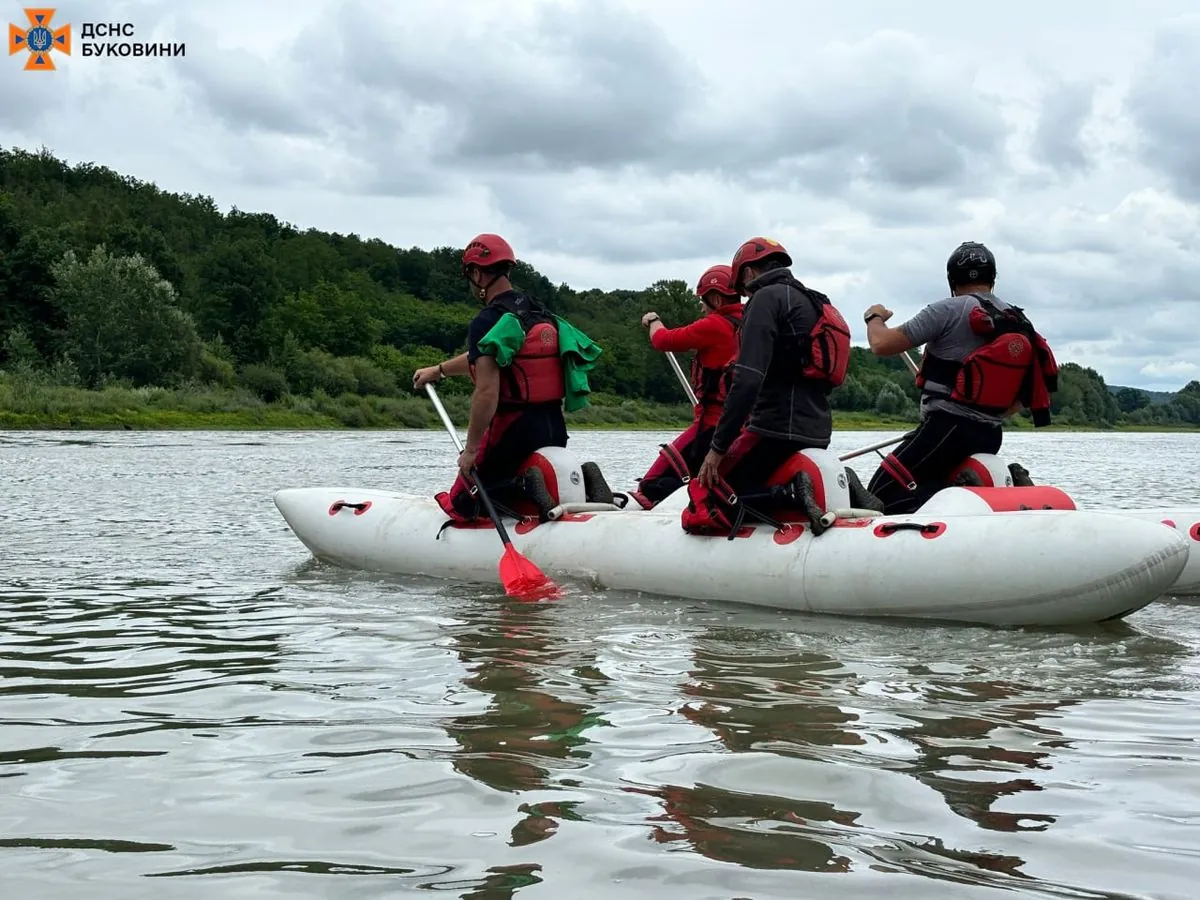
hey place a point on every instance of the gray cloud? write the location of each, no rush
(883, 111)
(1163, 104)
(1058, 140)
(609, 91)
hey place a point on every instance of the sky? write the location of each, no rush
(619, 142)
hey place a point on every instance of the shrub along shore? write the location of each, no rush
(32, 401)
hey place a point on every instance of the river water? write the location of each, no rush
(190, 707)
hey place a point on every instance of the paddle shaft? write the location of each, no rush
(687, 385)
(458, 445)
(878, 446)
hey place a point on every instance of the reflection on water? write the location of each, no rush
(527, 733)
(187, 697)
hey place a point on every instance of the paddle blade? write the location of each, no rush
(523, 580)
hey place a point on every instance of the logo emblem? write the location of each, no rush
(574, 476)
(1016, 347)
(841, 479)
(39, 40)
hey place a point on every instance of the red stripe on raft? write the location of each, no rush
(974, 465)
(1016, 499)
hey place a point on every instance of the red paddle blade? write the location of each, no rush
(523, 580)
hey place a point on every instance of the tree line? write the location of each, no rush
(106, 279)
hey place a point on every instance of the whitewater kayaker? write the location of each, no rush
(983, 362)
(713, 337)
(526, 363)
(794, 349)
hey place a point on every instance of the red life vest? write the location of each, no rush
(711, 383)
(1015, 364)
(535, 374)
(825, 355)
(829, 342)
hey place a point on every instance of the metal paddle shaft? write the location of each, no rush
(520, 577)
(687, 385)
(878, 446)
(458, 445)
(441, 411)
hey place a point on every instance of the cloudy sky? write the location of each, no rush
(616, 142)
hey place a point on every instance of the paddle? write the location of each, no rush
(520, 577)
(879, 446)
(687, 385)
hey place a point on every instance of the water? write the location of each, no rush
(191, 707)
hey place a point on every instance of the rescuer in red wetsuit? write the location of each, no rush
(714, 338)
(517, 407)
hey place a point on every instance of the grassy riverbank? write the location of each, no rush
(32, 403)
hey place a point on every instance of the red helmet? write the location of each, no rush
(755, 250)
(487, 250)
(717, 278)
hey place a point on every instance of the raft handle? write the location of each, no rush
(359, 508)
(929, 530)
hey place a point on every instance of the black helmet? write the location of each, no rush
(971, 263)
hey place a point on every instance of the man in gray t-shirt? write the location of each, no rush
(944, 328)
(949, 431)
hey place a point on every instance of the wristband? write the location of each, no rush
(441, 371)
(872, 316)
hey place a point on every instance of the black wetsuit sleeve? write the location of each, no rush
(760, 327)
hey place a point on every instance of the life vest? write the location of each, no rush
(826, 353)
(711, 383)
(535, 374)
(829, 347)
(1015, 364)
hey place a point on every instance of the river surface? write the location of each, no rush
(190, 707)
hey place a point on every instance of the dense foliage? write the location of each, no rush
(106, 280)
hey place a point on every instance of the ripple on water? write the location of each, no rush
(187, 696)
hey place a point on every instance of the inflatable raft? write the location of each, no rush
(994, 472)
(990, 555)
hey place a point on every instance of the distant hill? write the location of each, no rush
(1157, 398)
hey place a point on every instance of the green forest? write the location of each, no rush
(122, 305)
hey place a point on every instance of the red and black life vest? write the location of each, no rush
(829, 348)
(535, 374)
(711, 383)
(825, 355)
(1015, 364)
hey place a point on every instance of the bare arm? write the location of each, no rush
(885, 341)
(484, 400)
(458, 365)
